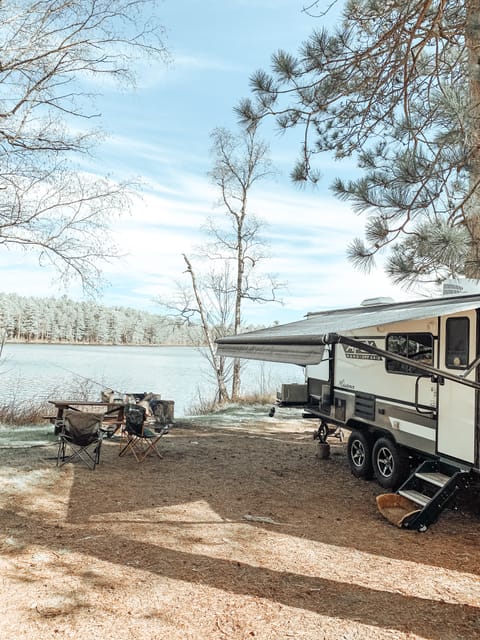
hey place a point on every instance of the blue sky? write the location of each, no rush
(161, 133)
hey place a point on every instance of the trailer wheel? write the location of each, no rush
(390, 464)
(359, 452)
(321, 433)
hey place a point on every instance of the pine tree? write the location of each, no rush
(396, 85)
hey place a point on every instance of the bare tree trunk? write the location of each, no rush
(3, 338)
(472, 219)
(240, 161)
(236, 379)
(215, 360)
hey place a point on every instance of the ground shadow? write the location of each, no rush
(422, 616)
(277, 477)
(241, 471)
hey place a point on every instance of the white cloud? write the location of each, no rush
(307, 250)
(308, 234)
(160, 133)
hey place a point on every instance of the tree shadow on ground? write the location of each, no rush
(423, 616)
(121, 512)
(279, 478)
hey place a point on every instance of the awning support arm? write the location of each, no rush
(335, 338)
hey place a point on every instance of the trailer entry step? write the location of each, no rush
(438, 479)
(415, 496)
(430, 489)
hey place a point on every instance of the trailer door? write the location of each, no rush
(457, 404)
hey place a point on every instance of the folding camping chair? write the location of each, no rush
(80, 438)
(141, 441)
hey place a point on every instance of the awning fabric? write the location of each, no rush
(302, 342)
(288, 353)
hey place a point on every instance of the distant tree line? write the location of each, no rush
(30, 319)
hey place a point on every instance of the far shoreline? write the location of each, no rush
(72, 343)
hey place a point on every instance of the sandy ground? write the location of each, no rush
(241, 531)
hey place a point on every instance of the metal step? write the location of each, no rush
(444, 482)
(438, 479)
(414, 496)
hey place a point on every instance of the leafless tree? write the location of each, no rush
(227, 272)
(51, 54)
(240, 162)
(211, 304)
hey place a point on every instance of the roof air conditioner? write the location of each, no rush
(371, 302)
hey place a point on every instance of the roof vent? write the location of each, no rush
(456, 286)
(373, 302)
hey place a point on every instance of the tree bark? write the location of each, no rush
(472, 214)
(236, 378)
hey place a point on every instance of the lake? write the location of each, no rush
(181, 374)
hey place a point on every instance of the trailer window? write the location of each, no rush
(417, 347)
(457, 343)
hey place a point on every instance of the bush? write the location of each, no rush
(16, 411)
(26, 412)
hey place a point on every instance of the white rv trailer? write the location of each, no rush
(403, 377)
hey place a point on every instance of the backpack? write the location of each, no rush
(134, 417)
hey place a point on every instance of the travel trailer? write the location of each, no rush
(403, 378)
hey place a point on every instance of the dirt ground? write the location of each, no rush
(241, 531)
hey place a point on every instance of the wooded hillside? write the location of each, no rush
(52, 319)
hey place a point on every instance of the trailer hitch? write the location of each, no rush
(323, 431)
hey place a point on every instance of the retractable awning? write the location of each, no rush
(287, 353)
(302, 342)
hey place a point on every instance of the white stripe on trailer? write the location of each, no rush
(413, 429)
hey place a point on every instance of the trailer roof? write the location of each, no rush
(298, 342)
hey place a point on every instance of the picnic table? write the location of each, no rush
(113, 413)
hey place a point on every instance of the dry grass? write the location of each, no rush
(17, 413)
(204, 406)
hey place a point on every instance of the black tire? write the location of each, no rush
(390, 463)
(322, 432)
(359, 452)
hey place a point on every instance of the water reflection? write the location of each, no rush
(181, 374)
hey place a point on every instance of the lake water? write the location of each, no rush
(180, 374)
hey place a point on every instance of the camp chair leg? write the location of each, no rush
(134, 446)
(130, 446)
(89, 455)
(151, 447)
(61, 452)
(141, 447)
